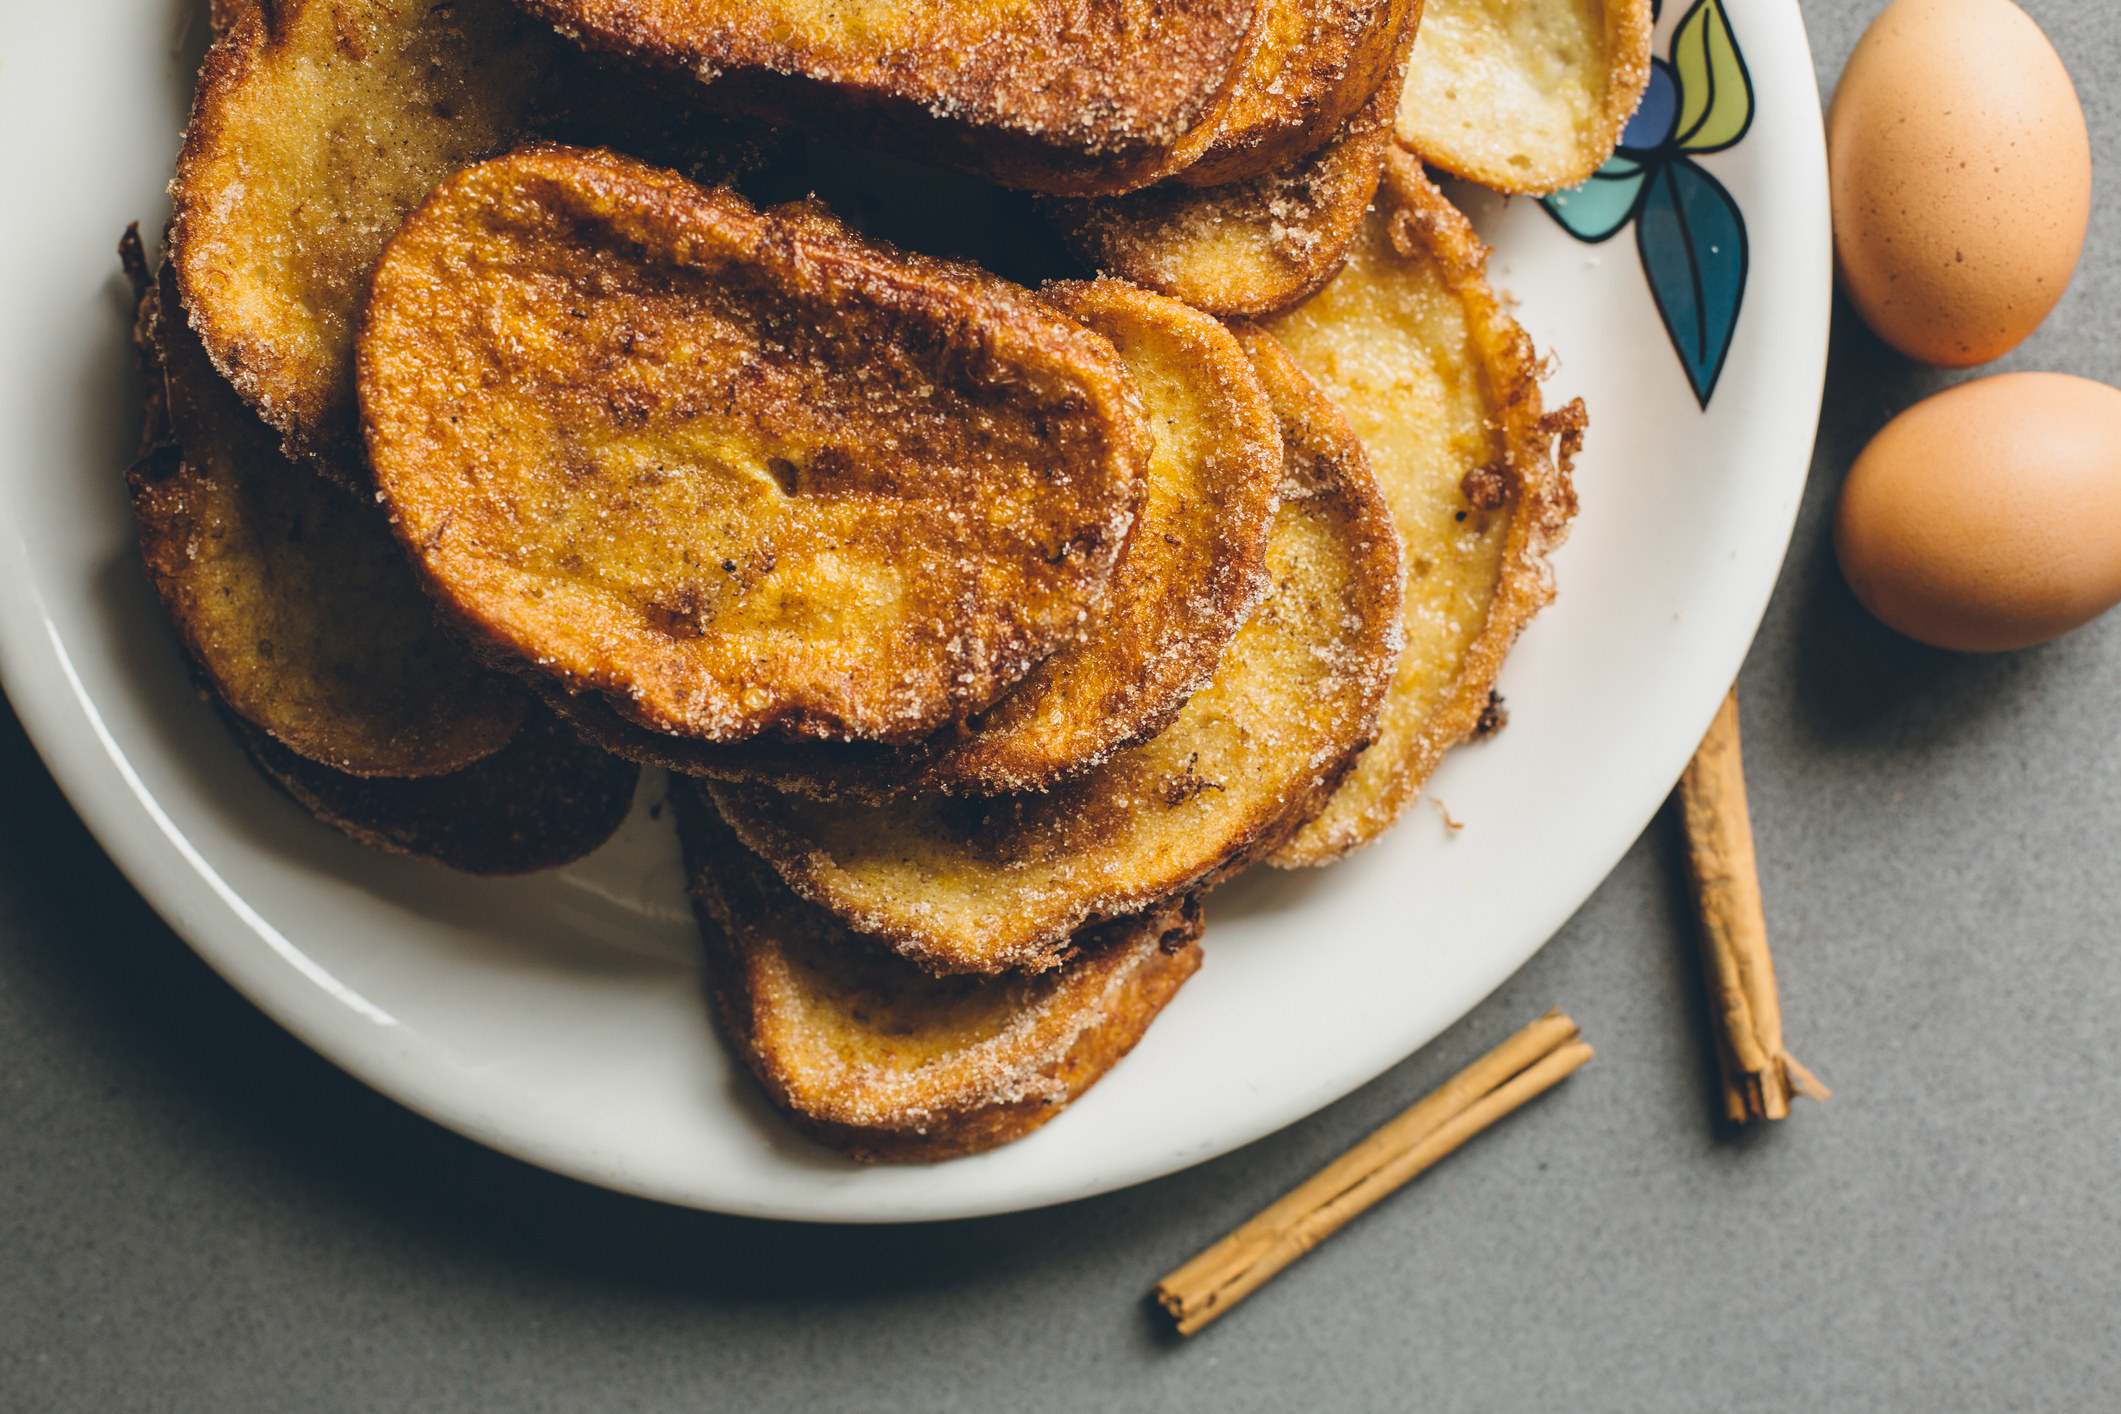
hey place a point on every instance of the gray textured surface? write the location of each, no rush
(199, 1214)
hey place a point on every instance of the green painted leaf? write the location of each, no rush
(1598, 209)
(1715, 91)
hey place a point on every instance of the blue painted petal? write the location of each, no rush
(1657, 114)
(1598, 209)
(1692, 238)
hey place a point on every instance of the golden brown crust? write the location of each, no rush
(1249, 248)
(292, 597)
(222, 15)
(879, 1060)
(317, 125)
(1193, 568)
(1443, 387)
(1524, 95)
(737, 471)
(547, 800)
(988, 884)
(1042, 95)
(1322, 456)
(1319, 64)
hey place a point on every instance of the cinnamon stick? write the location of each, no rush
(1527, 1065)
(1759, 1075)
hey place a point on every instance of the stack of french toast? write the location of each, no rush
(1012, 467)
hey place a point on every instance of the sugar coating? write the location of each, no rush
(1037, 94)
(737, 471)
(1442, 387)
(1524, 95)
(883, 1060)
(292, 597)
(312, 137)
(1315, 66)
(1193, 568)
(1247, 248)
(984, 884)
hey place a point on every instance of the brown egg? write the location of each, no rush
(1962, 178)
(1988, 517)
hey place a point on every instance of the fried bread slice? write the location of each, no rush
(886, 1063)
(738, 471)
(1442, 386)
(1248, 248)
(975, 884)
(293, 598)
(1038, 94)
(539, 800)
(1193, 568)
(1316, 66)
(1524, 95)
(545, 800)
(319, 124)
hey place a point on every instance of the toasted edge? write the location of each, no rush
(1074, 1026)
(546, 800)
(156, 438)
(1628, 36)
(1033, 935)
(260, 326)
(1156, 641)
(1334, 58)
(1539, 486)
(1016, 113)
(211, 456)
(315, 422)
(1248, 248)
(1323, 456)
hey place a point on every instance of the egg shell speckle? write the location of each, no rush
(1988, 517)
(1961, 173)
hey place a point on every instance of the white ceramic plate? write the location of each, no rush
(559, 1018)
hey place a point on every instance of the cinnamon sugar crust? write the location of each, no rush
(1442, 386)
(1193, 568)
(319, 124)
(1318, 64)
(1247, 248)
(292, 597)
(1036, 94)
(878, 1059)
(995, 883)
(737, 471)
